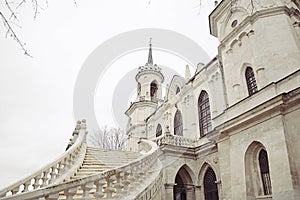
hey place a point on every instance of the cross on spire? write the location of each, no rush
(150, 59)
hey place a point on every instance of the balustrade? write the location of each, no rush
(110, 184)
(174, 140)
(56, 171)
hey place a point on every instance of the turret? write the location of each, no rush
(149, 93)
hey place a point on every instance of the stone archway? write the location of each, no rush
(210, 185)
(183, 188)
(208, 180)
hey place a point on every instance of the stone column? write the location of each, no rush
(197, 192)
(169, 188)
(190, 192)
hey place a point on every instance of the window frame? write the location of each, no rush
(250, 81)
(204, 114)
(158, 133)
(178, 128)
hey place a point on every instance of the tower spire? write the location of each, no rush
(150, 59)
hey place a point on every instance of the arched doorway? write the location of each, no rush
(184, 188)
(210, 185)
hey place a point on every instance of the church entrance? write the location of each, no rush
(183, 189)
(210, 186)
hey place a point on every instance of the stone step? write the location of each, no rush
(98, 160)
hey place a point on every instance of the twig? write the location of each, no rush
(13, 34)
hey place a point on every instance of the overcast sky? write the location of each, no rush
(36, 103)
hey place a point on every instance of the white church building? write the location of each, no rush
(231, 131)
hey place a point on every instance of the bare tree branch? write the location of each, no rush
(10, 31)
(9, 15)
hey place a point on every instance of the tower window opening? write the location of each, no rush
(177, 90)
(153, 91)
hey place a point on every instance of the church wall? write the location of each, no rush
(292, 126)
(272, 51)
(270, 133)
(225, 168)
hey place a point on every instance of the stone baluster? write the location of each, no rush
(99, 188)
(109, 189)
(15, 190)
(65, 165)
(86, 190)
(147, 167)
(59, 169)
(52, 196)
(53, 174)
(69, 161)
(45, 178)
(142, 169)
(119, 184)
(125, 182)
(136, 174)
(36, 182)
(70, 193)
(27, 185)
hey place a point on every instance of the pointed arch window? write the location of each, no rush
(257, 170)
(204, 113)
(251, 82)
(158, 130)
(210, 185)
(264, 172)
(178, 126)
(177, 90)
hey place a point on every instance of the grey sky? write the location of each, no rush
(36, 104)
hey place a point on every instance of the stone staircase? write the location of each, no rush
(98, 160)
(87, 173)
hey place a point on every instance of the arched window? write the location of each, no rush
(153, 89)
(210, 186)
(158, 130)
(251, 82)
(177, 90)
(264, 172)
(178, 127)
(257, 171)
(204, 113)
(139, 89)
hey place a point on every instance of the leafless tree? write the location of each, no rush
(108, 138)
(10, 11)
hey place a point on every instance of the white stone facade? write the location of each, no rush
(262, 35)
(229, 132)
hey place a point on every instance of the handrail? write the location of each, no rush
(57, 171)
(118, 181)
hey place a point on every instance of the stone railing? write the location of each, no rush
(111, 184)
(174, 140)
(62, 168)
(153, 191)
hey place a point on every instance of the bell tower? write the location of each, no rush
(149, 93)
(149, 79)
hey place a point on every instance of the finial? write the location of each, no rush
(150, 60)
(187, 72)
